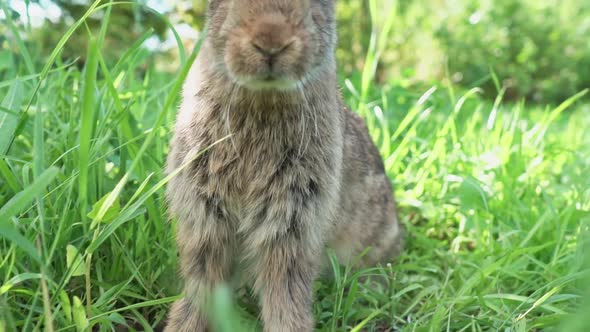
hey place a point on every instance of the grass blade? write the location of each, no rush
(9, 121)
(11, 234)
(21, 201)
(87, 123)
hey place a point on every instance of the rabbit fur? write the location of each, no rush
(297, 175)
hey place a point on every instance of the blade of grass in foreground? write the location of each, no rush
(9, 121)
(17, 204)
(21, 201)
(54, 54)
(552, 116)
(128, 213)
(25, 55)
(150, 137)
(376, 46)
(145, 304)
(87, 122)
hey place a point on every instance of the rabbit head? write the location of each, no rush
(272, 44)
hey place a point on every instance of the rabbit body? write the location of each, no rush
(285, 170)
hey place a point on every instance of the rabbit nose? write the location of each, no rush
(270, 52)
(271, 36)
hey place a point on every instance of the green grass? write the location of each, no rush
(496, 199)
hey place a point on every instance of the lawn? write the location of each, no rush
(495, 196)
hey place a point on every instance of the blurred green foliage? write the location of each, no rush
(537, 50)
(540, 49)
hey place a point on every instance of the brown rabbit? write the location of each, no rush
(298, 174)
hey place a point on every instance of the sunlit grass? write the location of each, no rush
(496, 199)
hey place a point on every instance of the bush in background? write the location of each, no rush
(538, 49)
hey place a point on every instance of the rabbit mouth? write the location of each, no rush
(267, 82)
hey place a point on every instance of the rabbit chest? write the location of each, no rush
(270, 163)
